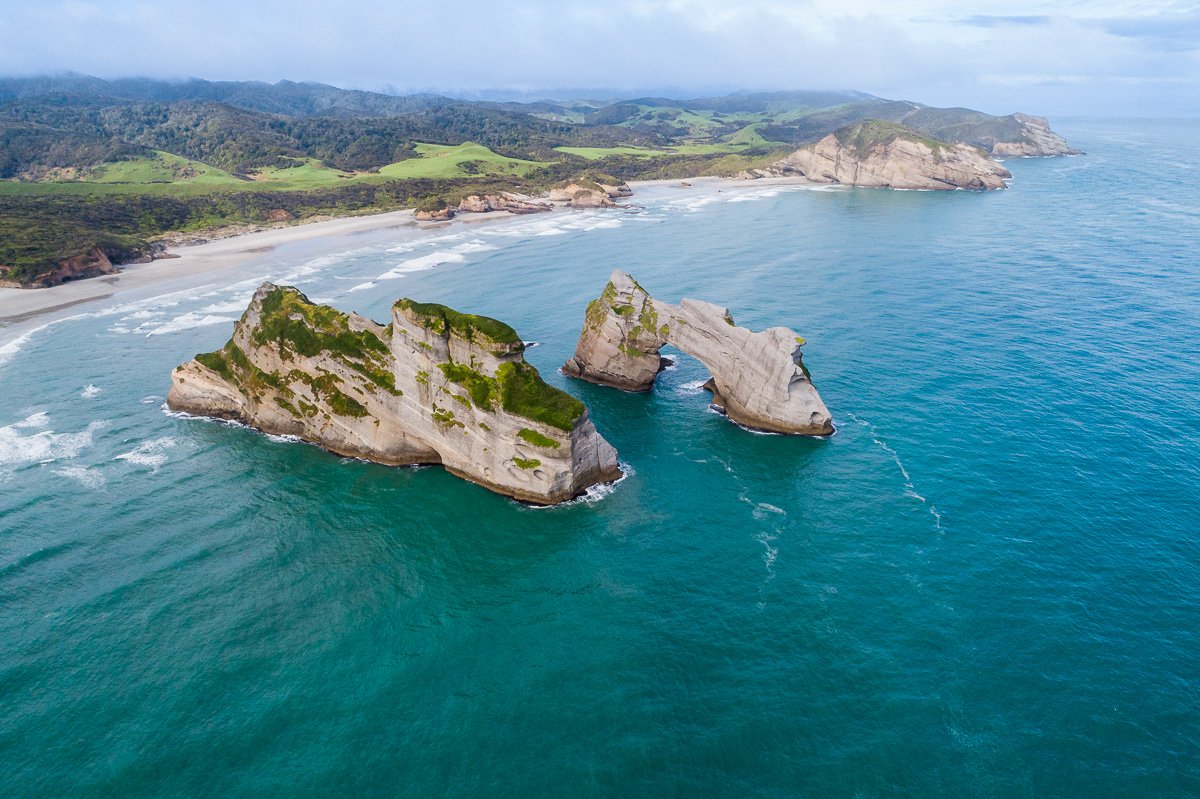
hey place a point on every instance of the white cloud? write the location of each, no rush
(1000, 55)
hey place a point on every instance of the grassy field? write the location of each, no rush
(169, 175)
(596, 153)
(442, 161)
(305, 173)
(160, 168)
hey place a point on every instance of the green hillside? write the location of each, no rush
(87, 162)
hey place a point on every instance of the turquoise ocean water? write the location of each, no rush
(986, 584)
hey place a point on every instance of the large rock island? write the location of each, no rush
(433, 386)
(758, 379)
(885, 155)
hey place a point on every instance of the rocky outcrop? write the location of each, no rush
(758, 379)
(1035, 140)
(443, 214)
(505, 201)
(92, 263)
(579, 194)
(889, 156)
(433, 386)
(590, 191)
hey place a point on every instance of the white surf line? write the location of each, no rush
(910, 489)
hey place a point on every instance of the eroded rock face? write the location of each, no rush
(505, 201)
(92, 263)
(434, 386)
(1037, 140)
(439, 215)
(589, 193)
(902, 163)
(758, 379)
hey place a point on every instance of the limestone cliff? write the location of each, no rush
(889, 156)
(433, 386)
(758, 379)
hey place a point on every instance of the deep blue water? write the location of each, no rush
(986, 584)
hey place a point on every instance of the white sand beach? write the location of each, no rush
(22, 310)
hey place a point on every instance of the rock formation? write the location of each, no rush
(92, 263)
(590, 191)
(758, 379)
(889, 156)
(1035, 140)
(505, 201)
(434, 386)
(443, 214)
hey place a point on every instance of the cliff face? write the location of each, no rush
(758, 379)
(434, 386)
(886, 156)
(91, 263)
(1036, 140)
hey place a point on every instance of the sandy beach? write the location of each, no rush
(25, 310)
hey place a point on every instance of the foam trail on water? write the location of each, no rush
(88, 478)
(10, 350)
(454, 255)
(189, 321)
(44, 446)
(910, 489)
(149, 453)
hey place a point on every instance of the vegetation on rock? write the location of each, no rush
(537, 439)
(469, 326)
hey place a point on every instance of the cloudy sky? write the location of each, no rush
(1109, 57)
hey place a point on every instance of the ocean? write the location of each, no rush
(985, 584)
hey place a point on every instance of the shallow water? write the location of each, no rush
(985, 584)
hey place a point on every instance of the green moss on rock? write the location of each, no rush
(296, 324)
(471, 327)
(537, 439)
(523, 392)
(484, 390)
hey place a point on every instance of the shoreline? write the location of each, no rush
(23, 311)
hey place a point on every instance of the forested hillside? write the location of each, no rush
(89, 163)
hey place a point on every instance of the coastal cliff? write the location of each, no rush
(758, 379)
(884, 155)
(91, 263)
(433, 386)
(1035, 140)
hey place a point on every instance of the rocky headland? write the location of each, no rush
(884, 155)
(758, 379)
(434, 386)
(1034, 140)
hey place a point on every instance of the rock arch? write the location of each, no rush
(758, 379)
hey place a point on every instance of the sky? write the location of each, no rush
(1067, 58)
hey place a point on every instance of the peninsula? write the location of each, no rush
(885, 155)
